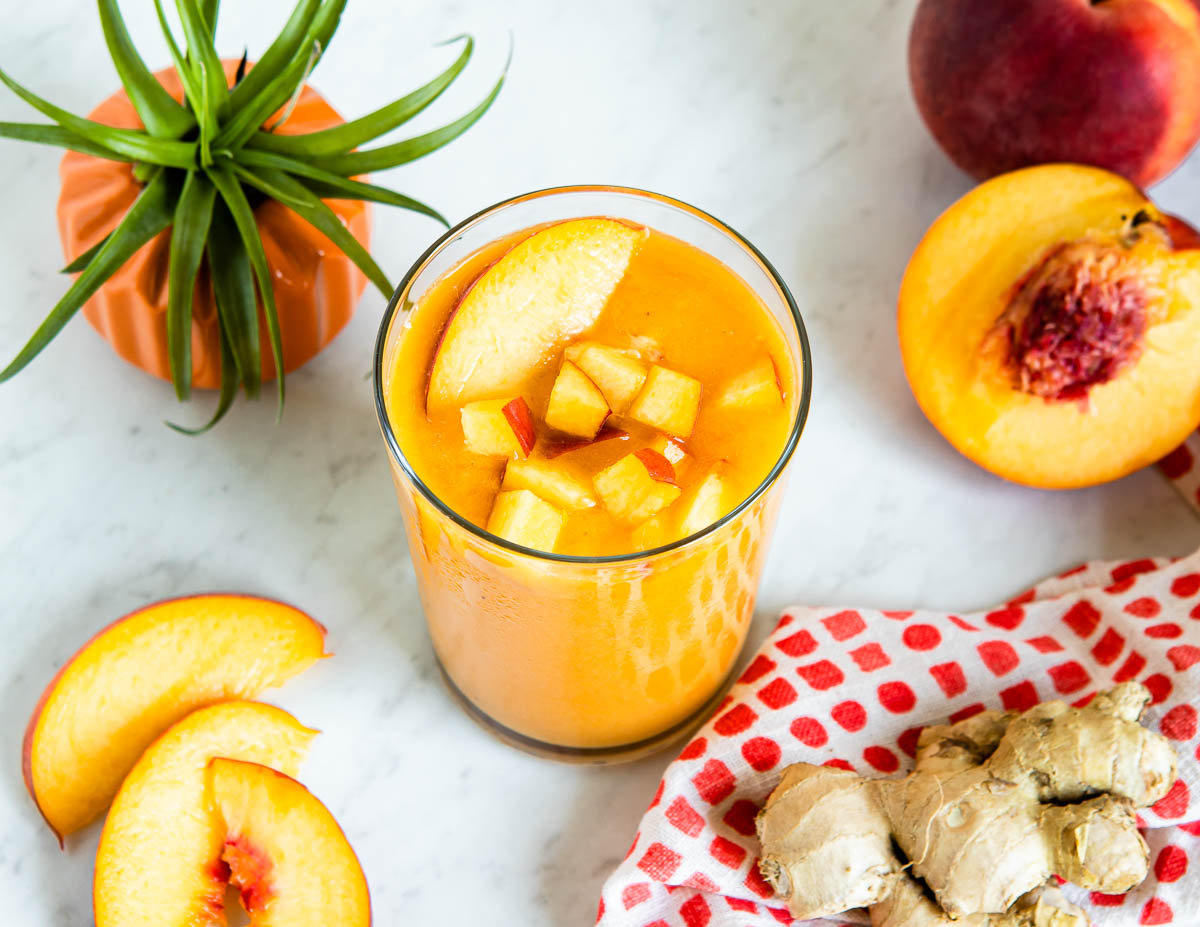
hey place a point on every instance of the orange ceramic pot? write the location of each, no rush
(316, 285)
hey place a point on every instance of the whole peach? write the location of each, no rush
(1004, 84)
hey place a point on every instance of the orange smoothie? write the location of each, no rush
(582, 398)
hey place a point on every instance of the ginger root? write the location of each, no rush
(995, 806)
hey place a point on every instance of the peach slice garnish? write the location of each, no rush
(160, 856)
(285, 852)
(140, 675)
(546, 290)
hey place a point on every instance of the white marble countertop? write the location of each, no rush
(792, 121)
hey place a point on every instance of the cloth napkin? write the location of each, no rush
(853, 687)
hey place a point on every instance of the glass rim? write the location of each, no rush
(805, 374)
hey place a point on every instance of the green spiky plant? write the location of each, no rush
(204, 162)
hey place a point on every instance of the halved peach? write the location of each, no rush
(546, 290)
(1049, 323)
(140, 675)
(285, 852)
(159, 860)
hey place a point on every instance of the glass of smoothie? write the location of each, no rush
(590, 396)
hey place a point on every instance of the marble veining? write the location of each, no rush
(792, 121)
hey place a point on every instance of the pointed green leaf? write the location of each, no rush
(327, 185)
(160, 113)
(86, 258)
(189, 232)
(246, 121)
(224, 401)
(187, 70)
(348, 136)
(201, 50)
(326, 22)
(58, 137)
(306, 204)
(277, 56)
(378, 159)
(233, 289)
(243, 218)
(150, 213)
(133, 144)
(210, 8)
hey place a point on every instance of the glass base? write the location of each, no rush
(594, 756)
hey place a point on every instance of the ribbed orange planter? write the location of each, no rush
(316, 286)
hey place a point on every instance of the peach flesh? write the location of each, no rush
(1077, 321)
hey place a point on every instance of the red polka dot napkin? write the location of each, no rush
(852, 688)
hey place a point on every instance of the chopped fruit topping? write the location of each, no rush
(489, 430)
(1076, 321)
(647, 348)
(577, 407)
(668, 401)
(618, 376)
(560, 277)
(671, 448)
(607, 433)
(523, 518)
(756, 387)
(517, 413)
(630, 493)
(550, 481)
(705, 506)
(656, 465)
(651, 533)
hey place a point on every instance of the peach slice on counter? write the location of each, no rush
(668, 402)
(755, 388)
(577, 406)
(631, 492)
(546, 290)
(551, 482)
(1049, 325)
(159, 860)
(618, 375)
(285, 852)
(524, 518)
(140, 675)
(498, 428)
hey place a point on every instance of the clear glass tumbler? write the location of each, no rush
(592, 659)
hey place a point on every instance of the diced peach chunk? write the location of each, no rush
(577, 407)
(705, 506)
(630, 493)
(659, 468)
(524, 518)
(489, 431)
(671, 448)
(653, 532)
(551, 482)
(618, 376)
(668, 401)
(521, 419)
(755, 388)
